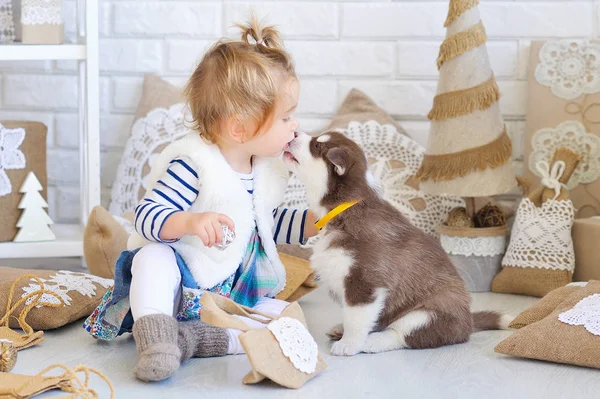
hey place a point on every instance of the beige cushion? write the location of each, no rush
(555, 341)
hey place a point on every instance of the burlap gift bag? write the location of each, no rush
(24, 149)
(67, 296)
(12, 318)
(18, 386)
(570, 334)
(283, 351)
(540, 255)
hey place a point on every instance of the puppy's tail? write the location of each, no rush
(490, 321)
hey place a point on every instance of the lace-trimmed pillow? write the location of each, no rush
(159, 120)
(394, 159)
(570, 334)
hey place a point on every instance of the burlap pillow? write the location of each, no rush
(105, 238)
(25, 152)
(545, 306)
(394, 159)
(553, 340)
(81, 293)
(159, 120)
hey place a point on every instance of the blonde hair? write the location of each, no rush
(235, 78)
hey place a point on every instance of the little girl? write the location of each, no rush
(227, 171)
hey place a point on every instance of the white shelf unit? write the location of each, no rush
(69, 237)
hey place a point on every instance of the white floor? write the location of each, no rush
(471, 370)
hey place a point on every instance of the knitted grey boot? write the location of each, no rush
(156, 341)
(198, 339)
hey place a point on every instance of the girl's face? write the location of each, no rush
(271, 142)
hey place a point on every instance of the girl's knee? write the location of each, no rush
(157, 259)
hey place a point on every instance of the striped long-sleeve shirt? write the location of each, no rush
(177, 189)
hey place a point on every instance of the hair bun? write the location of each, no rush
(255, 32)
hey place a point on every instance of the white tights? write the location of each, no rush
(156, 289)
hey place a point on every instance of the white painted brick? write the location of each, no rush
(516, 131)
(343, 58)
(51, 200)
(70, 17)
(184, 55)
(19, 66)
(115, 130)
(66, 65)
(105, 19)
(524, 54)
(109, 163)
(313, 125)
(104, 94)
(513, 100)
(67, 204)
(63, 166)
(40, 91)
(67, 132)
(131, 55)
(45, 117)
(189, 18)
(417, 130)
(418, 59)
(317, 97)
(401, 98)
(404, 19)
(537, 19)
(314, 19)
(126, 93)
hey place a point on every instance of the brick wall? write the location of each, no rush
(386, 48)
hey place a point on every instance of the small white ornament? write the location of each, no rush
(34, 221)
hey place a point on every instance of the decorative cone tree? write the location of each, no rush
(34, 221)
(468, 152)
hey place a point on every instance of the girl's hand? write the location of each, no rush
(207, 226)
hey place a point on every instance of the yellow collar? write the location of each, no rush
(334, 212)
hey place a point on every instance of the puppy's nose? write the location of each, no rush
(296, 134)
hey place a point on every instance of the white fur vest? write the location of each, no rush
(222, 191)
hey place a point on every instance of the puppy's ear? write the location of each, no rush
(339, 158)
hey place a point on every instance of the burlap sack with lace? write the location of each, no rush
(67, 297)
(540, 256)
(570, 334)
(283, 351)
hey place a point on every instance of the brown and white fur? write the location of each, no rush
(396, 285)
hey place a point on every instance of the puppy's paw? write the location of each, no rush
(345, 347)
(336, 333)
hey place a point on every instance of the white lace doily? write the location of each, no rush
(473, 246)
(541, 237)
(569, 67)
(394, 160)
(37, 12)
(62, 283)
(296, 343)
(586, 313)
(7, 26)
(10, 155)
(160, 126)
(571, 135)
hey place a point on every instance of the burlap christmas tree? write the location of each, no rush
(469, 151)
